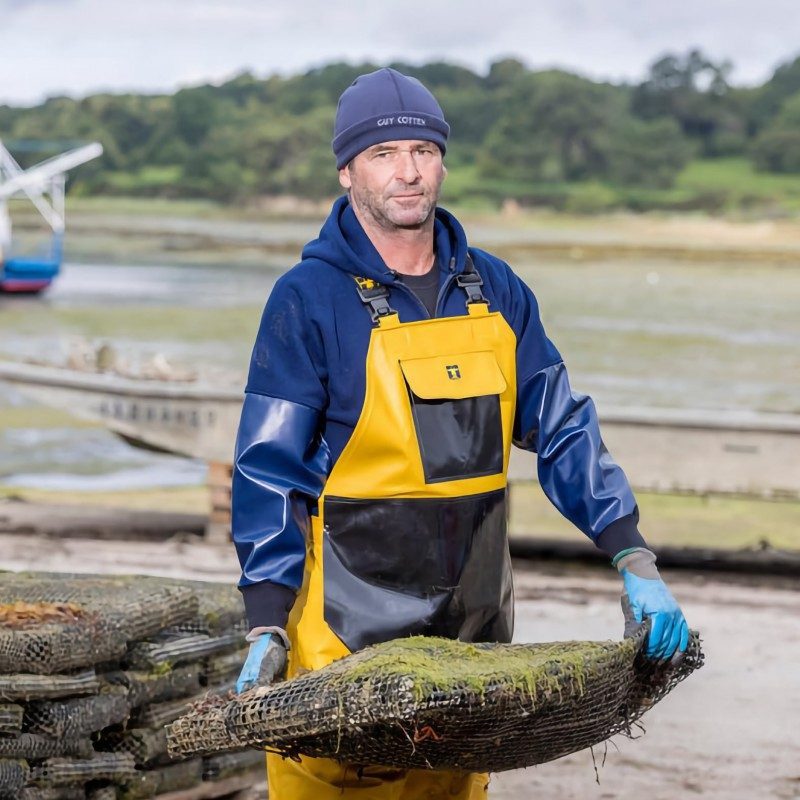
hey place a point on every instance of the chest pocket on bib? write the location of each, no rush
(455, 403)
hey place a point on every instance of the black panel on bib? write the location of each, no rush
(428, 566)
(458, 438)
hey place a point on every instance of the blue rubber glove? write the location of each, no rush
(265, 662)
(649, 597)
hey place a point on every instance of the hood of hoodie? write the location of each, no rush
(343, 243)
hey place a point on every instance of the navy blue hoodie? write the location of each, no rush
(305, 391)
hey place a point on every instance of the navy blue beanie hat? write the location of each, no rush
(385, 106)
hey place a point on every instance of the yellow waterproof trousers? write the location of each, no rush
(412, 516)
(323, 779)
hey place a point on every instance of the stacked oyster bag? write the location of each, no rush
(92, 669)
(441, 704)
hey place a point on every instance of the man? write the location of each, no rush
(392, 371)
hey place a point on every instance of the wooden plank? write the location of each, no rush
(219, 516)
(95, 522)
(219, 473)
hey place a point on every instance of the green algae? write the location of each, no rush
(427, 666)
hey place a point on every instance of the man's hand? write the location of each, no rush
(265, 662)
(649, 597)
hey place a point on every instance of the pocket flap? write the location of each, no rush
(454, 377)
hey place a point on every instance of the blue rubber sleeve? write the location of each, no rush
(280, 466)
(575, 469)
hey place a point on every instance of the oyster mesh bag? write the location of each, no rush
(91, 669)
(10, 718)
(31, 746)
(80, 716)
(117, 767)
(52, 793)
(440, 704)
(13, 775)
(53, 623)
(36, 687)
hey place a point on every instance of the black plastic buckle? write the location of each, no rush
(471, 283)
(376, 296)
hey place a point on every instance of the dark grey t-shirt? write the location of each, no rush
(425, 287)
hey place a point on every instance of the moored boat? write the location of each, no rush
(43, 185)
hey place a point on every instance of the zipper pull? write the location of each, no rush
(452, 263)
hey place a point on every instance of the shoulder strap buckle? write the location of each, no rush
(374, 295)
(470, 281)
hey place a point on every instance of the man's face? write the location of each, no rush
(396, 184)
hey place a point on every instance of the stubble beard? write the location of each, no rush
(377, 208)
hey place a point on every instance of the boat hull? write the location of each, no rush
(188, 419)
(27, 276)
(22, 286)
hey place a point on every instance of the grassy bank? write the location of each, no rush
(676, 520)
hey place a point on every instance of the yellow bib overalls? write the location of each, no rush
(410, 536)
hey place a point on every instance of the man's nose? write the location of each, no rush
(407, 167)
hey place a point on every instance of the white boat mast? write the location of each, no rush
(42, 184)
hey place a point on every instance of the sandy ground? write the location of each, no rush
(728, 732)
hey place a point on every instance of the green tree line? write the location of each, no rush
(516, 133)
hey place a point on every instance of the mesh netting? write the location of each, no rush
(13, 776)
(180, 776)
(102, 793)
(38, 687)
(216, 768)
(144, 744)
(143, 785)
(442, 704)
(79, 716)
(150, 687)
(168, 649)
(32, 746)
(10, 718)
(102, 766)
(220, 610)
(52, 793)
(45, 637)
(160, 780)
(157, 715)
(222, 669)
(127, 608)
(144, 645)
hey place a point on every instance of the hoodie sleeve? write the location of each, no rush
(576, 471)
(281, 460)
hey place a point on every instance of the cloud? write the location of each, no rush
(81, 46)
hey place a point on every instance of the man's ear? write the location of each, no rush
(344, 178)
(444, 171)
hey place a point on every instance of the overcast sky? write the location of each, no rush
(78, 47)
